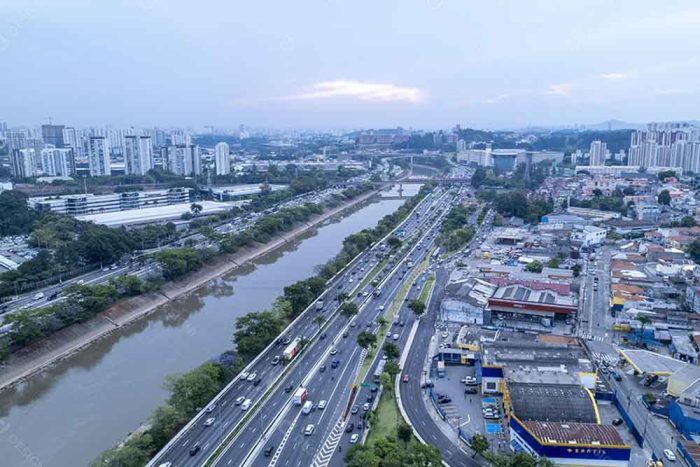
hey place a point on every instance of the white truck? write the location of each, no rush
(299, 396)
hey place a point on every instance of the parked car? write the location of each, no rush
(617, 422)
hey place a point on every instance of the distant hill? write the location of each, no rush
(613, 125)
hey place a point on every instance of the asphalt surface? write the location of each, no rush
(228, 415)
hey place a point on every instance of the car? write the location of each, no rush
(322, 336)
(346, 334)
(322, 404)
(365, 406)
(355, 409)
(288, 389)
(445, 335)
(617, 421)
(246, 404)
(308, 431)
(668, 454)
(370, 398)
(166, 464)
(395, 337)
(113, 267)
(402, 324)
(286, 340)
(257, 381)
(616, 376)
(239, 400)
(195, 449)
(275, 360)
(354, 438)
(469, 381)
(349, 427)
(210, 408)
(322, 368)
(209, 421)
(353, 323)
(405, 378)
(365, 293)
(105, 269)
(251, 377)
(335, 363)
(374, 388)
(38, 296)
(269, 450)
(381, 307)
(388, 334)
(244, 375)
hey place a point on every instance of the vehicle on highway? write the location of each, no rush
(365, 406)
(469, 381)
(349, 427)
(269, 450)
(300, 396)
(442, 399)
(209, 421)
(244, 376)
(246, 404)
(275, 360)
(617, 422)
(616, 376)
(251, 377)
(309, 429)
(334, 351)
(355, 409)
(239, 400)
(288, 389)
(395, 337)
(38, 296)
(405, 378)
(210, 408)
(166, 464)
(353, 323)
(335, 363)
(307, 407)
(257, 381)
(292, 349)
(195, 449)
(354, 438)
(322, 404)
(322, 368)
(668, 454)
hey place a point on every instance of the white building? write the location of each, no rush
(223, 159)
(597, 153)
(138, 154)
(184, 160)
(57, 161)
(24, 163)
(98, 156)
(589, 235)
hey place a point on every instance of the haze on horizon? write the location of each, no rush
(336, 64)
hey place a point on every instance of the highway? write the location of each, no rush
(228, 415)
(288, 444)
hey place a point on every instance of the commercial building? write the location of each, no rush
(226, 193)
(222, 159)
(589, 235)
(98, 156)
(155, 214)
(138, 154)
(75, 205)
(518, 299)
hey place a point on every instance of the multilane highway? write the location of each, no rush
(227, 414)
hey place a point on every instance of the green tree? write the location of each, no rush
(195, 208)
(554, 263)
(417, 306)
(254, 331)
(392, 368)
(125, 456)
(342, 296)
(534, 266)
(391, 350)
(349, 309)
(366, 339)
(643, 320)
(419, 454)
(381, 321)
(404, 433)
(393, 242)
(688, 221)
(597, 193)
(194, 389)
(576, 270)
(694, 250)
(479, 444)
(664, 197)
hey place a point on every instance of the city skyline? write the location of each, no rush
(428, 64)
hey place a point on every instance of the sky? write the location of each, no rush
(348, 64)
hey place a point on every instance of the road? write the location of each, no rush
(228, 415)
(287, 439)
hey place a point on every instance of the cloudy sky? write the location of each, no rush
(348, 64)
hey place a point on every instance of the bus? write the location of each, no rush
(380, 369)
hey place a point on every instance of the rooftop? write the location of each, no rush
(575, 433)
(154, 214)
(552, 403)
(647, 362)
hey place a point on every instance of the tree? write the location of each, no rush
(688, 221)
(664, 197)
(265, 189)
(342, 296)
(694, 250)
(194, 389)
(480, 444)
(391, 350)
(666, 174)
(349, 309)
(381, 321)
(576, 270)
(554, 263)
(597, 193)
(417, 306)
(195, 208)
(404, 433)
(123, 456)
(392, 368)
(254, 331)
(643, 320)
(366, 339)
(534, 266)
(393, 242)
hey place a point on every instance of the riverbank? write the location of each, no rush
(61, 345)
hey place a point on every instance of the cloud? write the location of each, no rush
(613, 76)
(672, 92)
(376, 92)
(563, 89)
(498, 98)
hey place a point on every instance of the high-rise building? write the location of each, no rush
(52, 134)
(73, 138)
(98, 156)
(223, 159)
(57, 161)
(23, 162)
(16, 140)
(138, 154)
(665, 145)
(597, 153)
(184, 160)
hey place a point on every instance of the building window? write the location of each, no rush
(491, 386)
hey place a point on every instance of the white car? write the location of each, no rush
(244, 375)
(166, 464)
(668, 454)
(38, 295)
(240, 400)
(210, 421)
(334, 351)
(309, 429)
(322, 405)
(396, 337)
(252, 376)
(388, 334)
(211, 408)
(246, 404)
(354, 438)
(445, 335)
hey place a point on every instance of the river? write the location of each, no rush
(70, 413)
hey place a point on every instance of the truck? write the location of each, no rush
(307, 407)
(299, 396)
(292, 349)
(441, 369)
